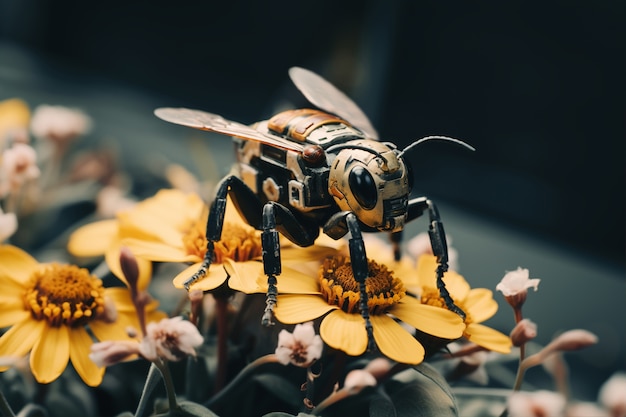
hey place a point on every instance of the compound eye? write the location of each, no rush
(363, 187)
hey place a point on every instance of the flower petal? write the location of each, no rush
(488, 338)
(433, 320)
(50, 354)
(455, 283)
(13, 313)
(16, 264)
(345, 332)
(93, 239)
(395, 342)
(480, 304)
(292, 309)
(249, 277)
(311, 253)
(215, 277)
(110, 331)
(20, 338)
(160, 251)
(89, 372)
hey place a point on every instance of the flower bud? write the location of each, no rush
(523, 332)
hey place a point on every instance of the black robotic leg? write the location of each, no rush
(440, 250)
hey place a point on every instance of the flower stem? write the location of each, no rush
(518, 317)
(5, 408)
(151, 381)
(221, 305)
(169, 384)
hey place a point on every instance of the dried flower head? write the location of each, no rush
(612, 394)
(536, 404)
(300, 348)
(514, 286)
(171, 339)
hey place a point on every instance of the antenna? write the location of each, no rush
(426, 138)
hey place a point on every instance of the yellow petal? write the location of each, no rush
(292, 309)
(93, 239)
(79, 355)
(160, 250)
(395, 342)
(112, 257)
(345, 332)
(480, 304)
(16, 264)
(111, 331)
(488, 338)
(215, 277)
(433, 320)
(50, 354)
(120, 296)
(249, 277)
(13, 313)
(426, 270)
(20, 338)
(312, 253)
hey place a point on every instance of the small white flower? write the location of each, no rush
(300, 348)
(58, 123)
(516, 282)
(17, 165)
(536, 404)
(171, 338)
(612, 394)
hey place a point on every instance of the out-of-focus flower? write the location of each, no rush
(515, 284)
(300, 348)
(477, 303)
(14, 120)
(305, 297)
(59, 124)
(612, 394)
(17, 166)
(49, 307)
(536, 404)
(420, 245)
(8, 225)
(523, 332)
(359, 378)
(585, 409)
(171, 338)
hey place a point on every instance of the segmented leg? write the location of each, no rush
(440, 250)
(271, 261)
(358, 259)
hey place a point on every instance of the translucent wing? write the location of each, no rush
(215, 123)
(327, 97)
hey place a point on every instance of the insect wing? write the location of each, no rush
(327, 97)
(215, 123)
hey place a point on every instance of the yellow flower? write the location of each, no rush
(334, 294)
(162, 217)
(477, 303)
(170, 227)
(50, 306)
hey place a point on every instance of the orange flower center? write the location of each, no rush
(431, 297)
(64, 295)
(239, 243)
(339, 287)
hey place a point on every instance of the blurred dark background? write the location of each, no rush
(536, 87)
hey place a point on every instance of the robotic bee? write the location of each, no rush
(304, 170)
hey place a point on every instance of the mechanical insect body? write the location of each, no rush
(304, 170)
